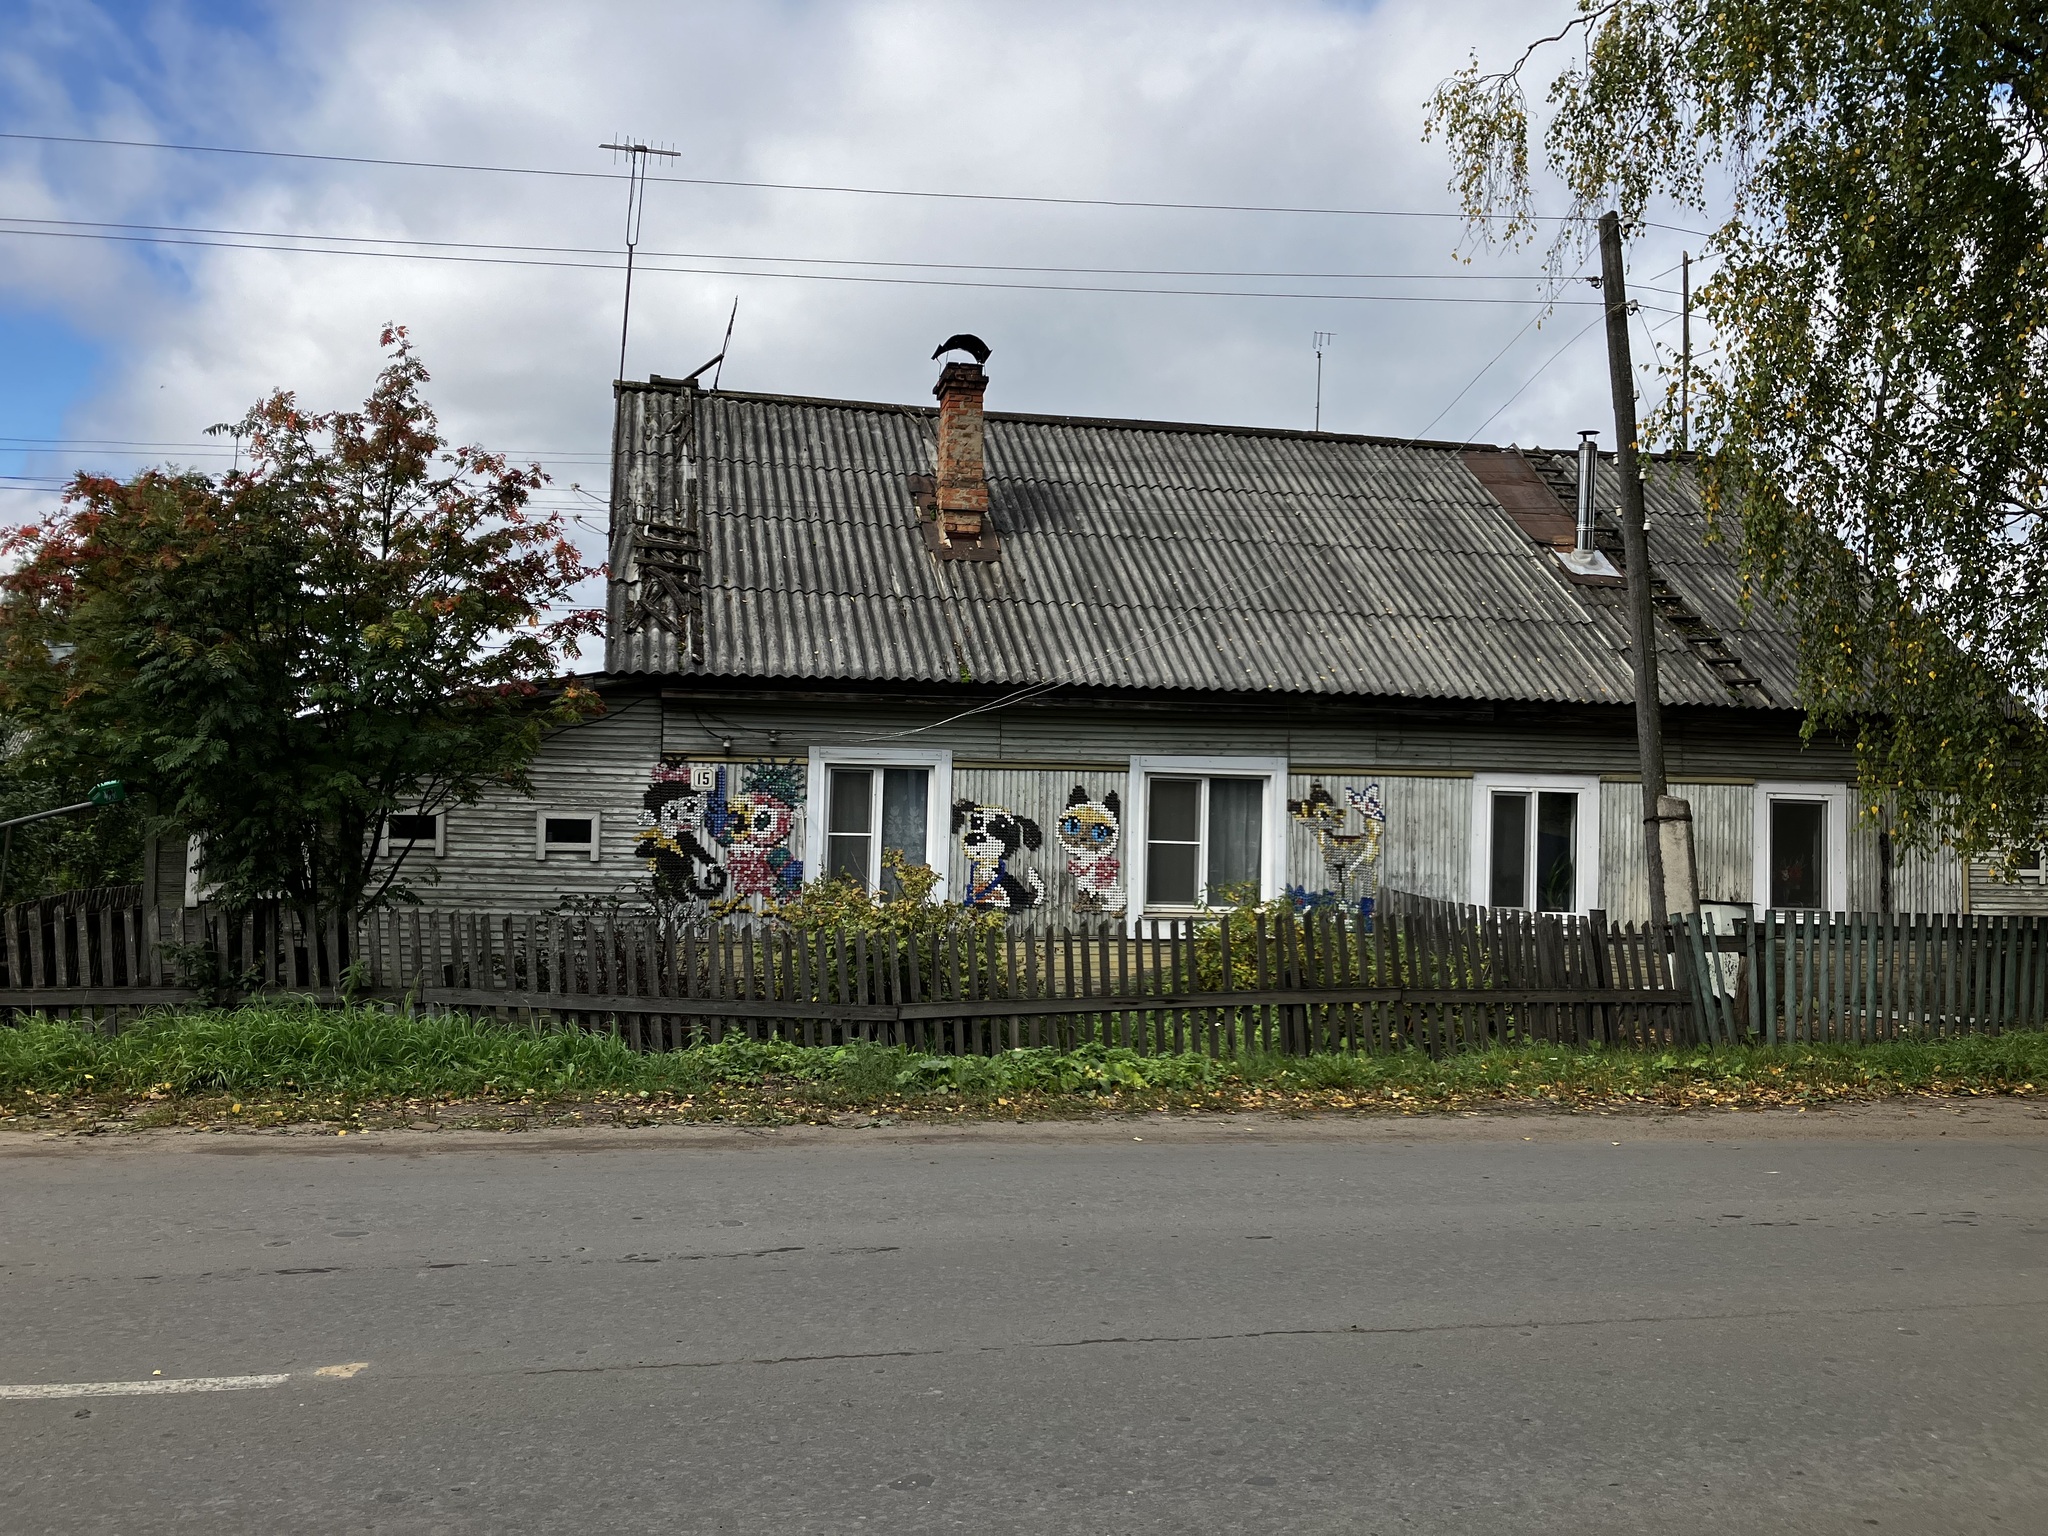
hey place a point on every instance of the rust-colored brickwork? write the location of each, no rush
(962, 482)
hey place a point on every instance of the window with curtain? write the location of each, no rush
(871, 812)
(1204, 839)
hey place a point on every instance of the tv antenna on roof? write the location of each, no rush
(636, 155)
(1321, 340)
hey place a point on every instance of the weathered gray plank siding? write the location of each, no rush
(1723, 843)
(1425, 848)
(1028, 759)
(1028, 733)
(1040, 796)
(2002, 897)
(1724, 836)
(1921, 882)
(600, 766)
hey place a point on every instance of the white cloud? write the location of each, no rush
(1276, 103)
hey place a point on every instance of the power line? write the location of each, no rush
(814, 277)
(213, 450)
(799, 186)
(1472, 383)
(815, 261)
(1560, 352)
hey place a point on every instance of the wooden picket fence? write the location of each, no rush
(1854, 976)
(1421, 974)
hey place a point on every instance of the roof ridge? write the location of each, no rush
(1124, 423)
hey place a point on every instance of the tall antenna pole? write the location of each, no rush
(636, 200)
(1685, 353)
(1320, 340)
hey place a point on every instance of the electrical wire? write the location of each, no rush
(1560, 352)
(1482, 373)
(812, 277)
(1674, 316)
(816, 261)
(797, 186)
(1488, 368)
(126, 448)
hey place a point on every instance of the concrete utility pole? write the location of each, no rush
(1635, 549)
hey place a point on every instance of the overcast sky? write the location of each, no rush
(1310, 103)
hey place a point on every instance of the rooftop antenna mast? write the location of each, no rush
(725, 346)
(636, 155)
(1321, 340)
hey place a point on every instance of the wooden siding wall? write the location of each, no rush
(1724, 843)
(1723, 840)
(2005, 897)
(1426, 847)
(602, 766)
(1313, 741)
(1921, 882)
(1039, 794)
(1030, 759)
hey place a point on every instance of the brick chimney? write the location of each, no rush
(962, 488)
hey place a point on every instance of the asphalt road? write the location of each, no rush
(1730, 1324)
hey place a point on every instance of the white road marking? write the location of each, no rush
(343, 1372)
(140, 1388)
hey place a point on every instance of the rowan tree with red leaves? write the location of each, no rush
(360, 623)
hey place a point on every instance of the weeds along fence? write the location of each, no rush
(1422, 974)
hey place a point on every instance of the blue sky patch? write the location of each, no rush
(50, 367)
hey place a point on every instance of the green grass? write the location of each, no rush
(296, 1052)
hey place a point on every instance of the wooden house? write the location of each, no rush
(1103, 668)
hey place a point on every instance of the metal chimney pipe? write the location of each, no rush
(1589, 464)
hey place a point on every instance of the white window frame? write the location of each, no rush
(938, 763)
(1586, 855)
(1835, 840)
(2037, 875)
(436, 849)
(542, 847)
(1138, 816)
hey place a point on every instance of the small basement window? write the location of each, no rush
(575, 834)
(415, 832)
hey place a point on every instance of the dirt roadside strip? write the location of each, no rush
(1978, 1119)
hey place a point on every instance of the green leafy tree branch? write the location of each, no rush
(360, 623)
(1874, 422)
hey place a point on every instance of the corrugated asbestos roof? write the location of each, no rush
(1134, 555)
